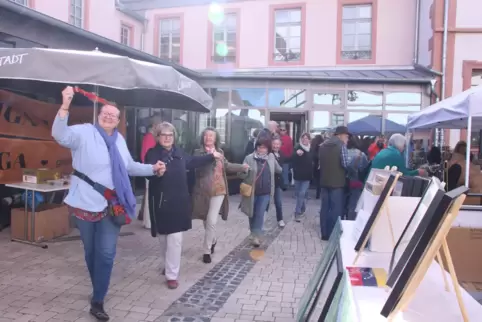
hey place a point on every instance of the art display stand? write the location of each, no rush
(428, 298)
(391, 221)
(439, 243)
(383, 209)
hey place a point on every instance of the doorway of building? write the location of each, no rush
(296, 122)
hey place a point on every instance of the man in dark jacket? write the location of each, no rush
(333, 158)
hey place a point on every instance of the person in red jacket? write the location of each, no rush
(378, 145)
(148, 142)
(286, 151)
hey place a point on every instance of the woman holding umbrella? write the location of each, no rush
(98, 152)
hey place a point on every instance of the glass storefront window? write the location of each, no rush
(255, 97)
(396, 123)
(327, 98)
(364, 98)
(403, 108)
(404, 98)
(289, 98)
(365, 107)
(337, 119)
(355, 116)
(243, 123)
(321, 119)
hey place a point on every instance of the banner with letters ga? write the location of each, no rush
(25, 135)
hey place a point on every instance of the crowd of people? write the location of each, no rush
(101, 191)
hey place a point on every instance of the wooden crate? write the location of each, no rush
(51, 221)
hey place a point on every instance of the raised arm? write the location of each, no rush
(137, 169)
(193, 162)
(66, 136)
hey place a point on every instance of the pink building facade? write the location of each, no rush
(312, 63)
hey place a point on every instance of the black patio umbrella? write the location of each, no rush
(126, 81)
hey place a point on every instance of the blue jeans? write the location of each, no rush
(301, 188)
(286, 174)
(278, 194)
(256, 221)
(100, 242)
(353, 197)
(332, 207)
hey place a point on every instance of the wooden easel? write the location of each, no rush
(438, 243)
(382, 208)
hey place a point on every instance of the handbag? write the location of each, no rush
(246, 190)
(114, 210)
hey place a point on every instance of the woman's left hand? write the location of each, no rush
(217, 155)
(245, 167)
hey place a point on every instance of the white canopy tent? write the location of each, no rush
(462, 111)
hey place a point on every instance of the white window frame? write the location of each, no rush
(25, 3)
(224, 28)
(289, 25)
(125, 35)
(170, 34)
(73, 19)
(356, 21)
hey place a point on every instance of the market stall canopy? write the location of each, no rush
(126, 81)
(451, 113)
(372, 125)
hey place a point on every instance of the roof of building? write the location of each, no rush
(159, 4)
(407, 74)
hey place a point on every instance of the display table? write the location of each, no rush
(430, 303)
(29, 236)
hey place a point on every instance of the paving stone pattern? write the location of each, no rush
(53, 285)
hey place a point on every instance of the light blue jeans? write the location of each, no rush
(256, 222)
(301, 189)
(286, 174)
(100, 243)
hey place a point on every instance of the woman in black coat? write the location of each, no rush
(302, 162)
(169, 200)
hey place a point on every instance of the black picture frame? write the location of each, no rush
(330, 283)
(383, 196)
(427, 231)
(396, 266)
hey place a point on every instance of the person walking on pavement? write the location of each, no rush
(302, 161)
(279, 186)
(315, 148)
(357, 162)
(210, 192)
(286, 151)
(250, 145)
(148, 142)
(333, 157)
(99, 155)
(169, 199)
(257, 188)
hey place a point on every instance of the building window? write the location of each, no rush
(76, 13)
(287, 35)
(21, 2)
(337, 119)
(357, 32)
(170, 39)
(224, 40)
(125, 36)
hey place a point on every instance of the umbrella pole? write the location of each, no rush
(96, 106)
(467, 157)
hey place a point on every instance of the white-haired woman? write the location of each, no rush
(210, 192)
(393, 156)
(169, 200)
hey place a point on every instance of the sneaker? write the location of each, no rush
(97, 311)
(206, 258)
(255, 242)
(281, 224)
(172, 284)
(213, 247)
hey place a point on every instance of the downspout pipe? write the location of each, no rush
(417, 32)
(444, 48)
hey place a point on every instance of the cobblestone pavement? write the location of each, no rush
(53, 285)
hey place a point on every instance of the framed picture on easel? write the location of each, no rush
(432, 232)
(411, 234)
(384, 191)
